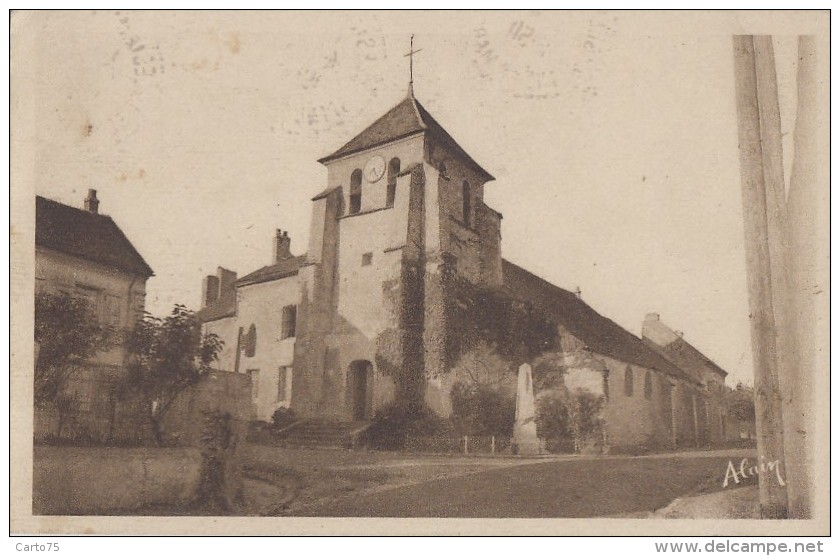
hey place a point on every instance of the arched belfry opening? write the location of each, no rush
(393, 172)
(355, 191)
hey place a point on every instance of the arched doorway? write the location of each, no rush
(360, 380)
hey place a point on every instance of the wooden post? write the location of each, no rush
(493, 445)
(762, 186)
(672, 389)
(466, 444)
(802, 210)
(694, 416)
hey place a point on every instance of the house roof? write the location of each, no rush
(403, 120)
(89, 236)
(283, 269)
(596, 331)
(225, 305)
(687, 356)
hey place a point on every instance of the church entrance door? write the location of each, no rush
(360, 379)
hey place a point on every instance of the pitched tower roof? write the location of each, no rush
(403, 120)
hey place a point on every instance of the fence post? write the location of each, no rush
(466, 444)
(493, 445)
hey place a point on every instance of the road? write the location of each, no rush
(569, 488)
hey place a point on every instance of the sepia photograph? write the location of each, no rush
(436, 272)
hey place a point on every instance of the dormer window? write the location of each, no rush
(356, 191)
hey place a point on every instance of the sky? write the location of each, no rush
(612, 137)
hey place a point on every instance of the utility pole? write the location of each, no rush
(765, 232)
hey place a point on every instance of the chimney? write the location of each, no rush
(226, 278)
(578, 293)
(679, 333)
(652, 316)
(213, 286)
(209, 290)
(282, 246)
(91, 202)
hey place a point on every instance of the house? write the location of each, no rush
(672, 345)
(82, 253)
(256, 318)
(365, 316)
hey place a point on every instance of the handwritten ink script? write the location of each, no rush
(744, 471)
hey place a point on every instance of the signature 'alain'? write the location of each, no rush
(744, 471)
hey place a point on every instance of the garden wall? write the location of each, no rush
(106, 481)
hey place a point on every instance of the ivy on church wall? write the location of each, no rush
(518, 329)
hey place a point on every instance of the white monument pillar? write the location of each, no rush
(525, 428)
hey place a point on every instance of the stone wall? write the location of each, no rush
(216, 391)
(105, 481)
(637, 419)
(213, 415)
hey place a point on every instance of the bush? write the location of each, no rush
(396, 422)
(553, 418)
(587, 415)
(482, 410)
(282, 418)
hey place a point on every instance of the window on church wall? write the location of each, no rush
(355, 191)
(466, 203)
(442, 171)
(628, 382)
(289, 324)
(648, 386)
(393, 172)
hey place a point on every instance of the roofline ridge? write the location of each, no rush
(414, 104)
(332, 156)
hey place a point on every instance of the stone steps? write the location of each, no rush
(323, 433)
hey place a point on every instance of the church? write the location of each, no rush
(374, 310)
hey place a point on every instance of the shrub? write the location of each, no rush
(587, 414)
(399, 420)
(68, 333)
(553, 418)
(283, 417)
(481, 409)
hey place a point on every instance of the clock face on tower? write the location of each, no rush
(374, 169)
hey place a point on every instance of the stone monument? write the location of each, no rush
(525, 441)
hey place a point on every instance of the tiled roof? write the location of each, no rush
(225, 305)
(596, 331)
(687, 356)
(403, 120)
(287, 267)
(83, 234)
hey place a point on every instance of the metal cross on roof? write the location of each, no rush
(411, 53)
